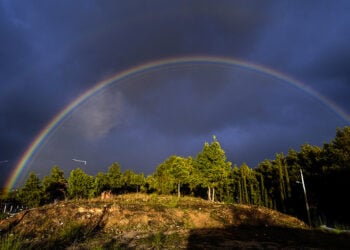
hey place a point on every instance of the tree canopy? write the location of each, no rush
(273, 183)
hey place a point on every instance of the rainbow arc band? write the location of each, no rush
(57, 120)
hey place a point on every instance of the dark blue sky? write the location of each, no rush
(51, 52)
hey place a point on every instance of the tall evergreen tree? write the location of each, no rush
(244, 170)
(337, 152)
(212, 166)
(271, 180)
(101, 183)
(236, 185)
(164, 181)
(180, 170)
(335, 177)
(80, 184)
(55, 185)
(132, 181)
(31, 194)
(115, 177)
(250, 189)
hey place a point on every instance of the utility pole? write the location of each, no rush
(306, 203)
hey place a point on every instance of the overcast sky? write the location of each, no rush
(53, 51)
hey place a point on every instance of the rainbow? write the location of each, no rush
(50, 128)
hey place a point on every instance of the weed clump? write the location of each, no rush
(10, 242)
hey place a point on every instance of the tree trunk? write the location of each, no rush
(240, 192)
(213, 195)
(209, 194)
(178, 190)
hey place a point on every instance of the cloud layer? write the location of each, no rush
(53, 52)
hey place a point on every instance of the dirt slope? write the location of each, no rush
(141, 221)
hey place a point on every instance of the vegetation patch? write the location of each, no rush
(10, 242)
(132, 221)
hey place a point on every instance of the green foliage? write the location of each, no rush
(211, 167)
(163, 182)
(118, 182)
(337, 153)
(160, 240)
(71, 232)
(157, 240)
(115, 177)
(80, 185)
(55, 185)
(173, 203)
(274, 183)
(101, 183)
(171, 174)
(180, 171)
(11, 242)
(31, 194)
(131, 182)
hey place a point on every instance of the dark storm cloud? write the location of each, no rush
(332, 72)
(210, 97)
(310, 42)
(51, 52)
(176, 112)
(163, 30)
(333, 69)
(336, 65)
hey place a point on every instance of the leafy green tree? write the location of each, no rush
(163, 180)
(139, 181)
(55, 185)
(271, 181)
(212, 167)
(80, 184)
(150, 184)
(310, 160)
(180, 170)
(337, 152)
(263, 192)
(171, 174)
(101, 183)
(244, 170)
(284, 183)
(115, 177)
(334, 179)
(236, 187)
(132, 181)
(250, 188)
(31, 194)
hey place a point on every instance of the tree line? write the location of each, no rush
(273, 183)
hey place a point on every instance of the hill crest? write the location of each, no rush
(149, 221)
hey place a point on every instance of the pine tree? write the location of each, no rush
(180, 170)
(164, 181)
(80, 184)
(244, 173)
(55, 185)
(115, 177)
(31, 194)
(101, 183)
(212, 167)
(132, 181)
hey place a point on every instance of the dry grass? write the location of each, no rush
(144, 222)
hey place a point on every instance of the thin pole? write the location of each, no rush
(306, 203)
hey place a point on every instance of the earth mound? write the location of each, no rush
(140, 221)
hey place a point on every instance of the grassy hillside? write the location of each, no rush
(139, 221)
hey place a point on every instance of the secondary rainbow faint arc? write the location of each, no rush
(59, 118)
